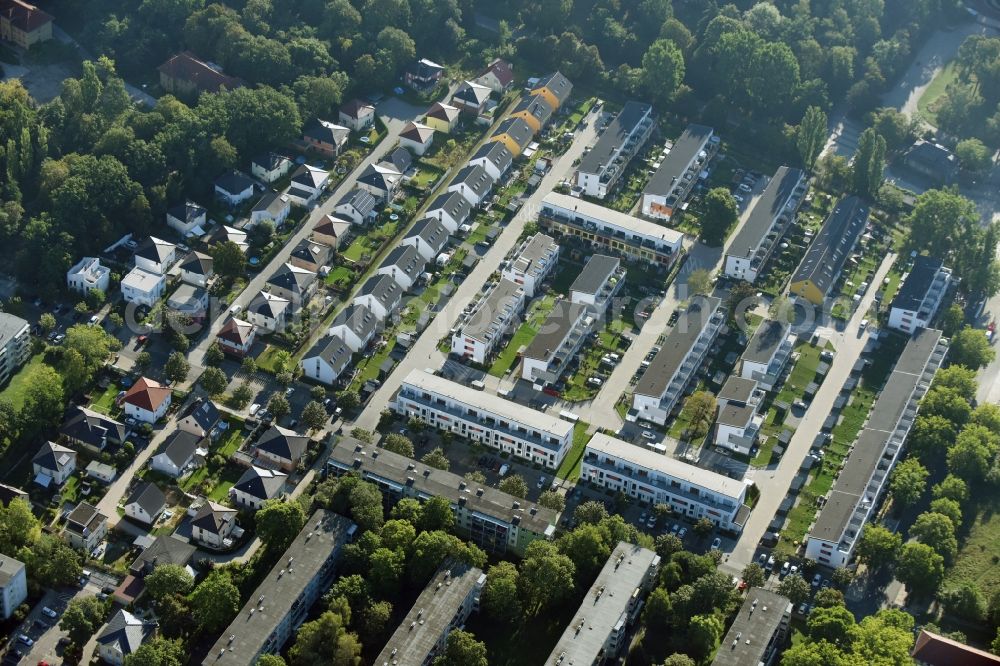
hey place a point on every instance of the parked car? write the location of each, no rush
(649, 434)
(675, 528)
(541, 482)
(23, 638)
(785, 568)
(817, 579)
(682, 533)
(254, 408)
(49, 612)
(717, 543)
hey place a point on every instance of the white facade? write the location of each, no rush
(558, 341)
(679, 170)
(194, 216)
(531, 263)
(15, 345)
(326, 361)
(417, 139)
(654, 478)
(147, 401)
(136, 512)
(738, 423)
(270, 170)
(481, 330)
(768, 353)
(142, 287)
(166, 256)
(87, 275)
(13, 585)
(484, 418)
(599, 282)
(603, 166)
(920, 295)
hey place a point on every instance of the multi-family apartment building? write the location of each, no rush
(481, 329)
(281, 602)
(484, 418)
(600, 281)
(821, 267)
(15, 345)
(558, 341)
(600, 169)
(493, 520)
(531, 263)
(865, 474)
(13, 585)
(600, 630)
(767, 354)
(610, 231)
(738, 423)
(654, 478)
(88, 274)
(663, 383)
(669, 186)
(762, 232)
(920, 296)
(759, 631)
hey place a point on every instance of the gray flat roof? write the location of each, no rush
(532, 251)
(757, 620)
(595, 273)
(771, 202)
(605, 605)
(675, 348)
(914, 288)
(554, 329)
(687, 146)
(766, 340)
(832, 246)
(486, 311)
(629, 223)
(614, 136)
(737, 389)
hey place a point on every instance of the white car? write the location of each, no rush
(864, 324)
(541, 482)
(23, 638)
(49, 612)
(93, 319)
(649, 434)
(717, 544)
(254, 408)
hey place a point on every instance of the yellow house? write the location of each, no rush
(829, 252)
(515, 134)
(442, 117)
(23, 24)
(535, 111)
(555, 88)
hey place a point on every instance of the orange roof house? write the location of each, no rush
(24, 24)
(186, 75)
(147, 400)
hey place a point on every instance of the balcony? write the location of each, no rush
(662, 485)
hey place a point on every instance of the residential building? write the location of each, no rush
(491, 519)
(122, 636)
(213, 526)
(669, 186)
(15, 345)
(479, 332)
(829, 251)
(187, 218)
(557, 343)
(311, 256)
(180, 453)
(610, 231)
(280, 447)
(357, 205)
(101, 472)
(91, 430)
(327, 360)
(601, 628)
(514, 134)
(272, 207)
(147, 400)
(146, 503)
(380, 180)
(600, 281)
(400, 159)
(555, 88)
(269, 312)
(472, 182)
(88, 274)
(331, 230)
(471, 98)
(308, 183)
(423, 74)
(163, 550)
(293, 283)
(270, 166)
(224, 233)
(498, 76)
(450, 209)
(447, 601)
(534, 110)
(404, 265)
(189, 300)
(767, 354)
(197, 269)
(356, 325)
(442, 117)
(325, 138)
(601, 168)
(23, 24)
(185, 75)
(357, 115)
(237, 336)
(759, 631)
(920, 295)
(484, 418)
(648, 476)
(256, 486)
(933, 649)
(155, 255)
(669, 374)
(281, 603)
(932, 160)
(416, 137)
(13, 585)
(53, 463)
(9, 493)
(233, 188)
(738, 423)
(142, 287)
(85, 527)
(762, 231)
(202, 419)
(429, 236)
(494, 157)
(863, 478)
(531, 263)
(381, 294)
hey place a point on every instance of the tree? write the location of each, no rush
(939, 219)
(973, 155)
(965, 601)
(82, 618)
(375, 619)
(753, 575)
(52, 562)
(462, 649)
(951, 487)
(436, 514)
(363, 435)
(829, 596)
(590, 511)
(668, 544)
(143, 360)
(878, 545)
(948, 507)
(214, 356)
(662, 70)
(167, 580)
(550, 499)
(960, 378)
(74, 371)
(947, 403)
(547, 576)
(215, 602)
(833, 624)
(700, 408)
(278, 523)
(795, 588)
(176, 368)
(657, 614)
(437, 459)
(18, 527)
(704, 632)
(229, 260)
(270, 660)
(313, 415)
(703, 527)
(586, 547)
(699, 282)
(919, 567)
(325, 641)
(348, 400)
(810, 137)
(908, 482)
(969, 347)
(248, 365)
(896, 127)
(386, 569)
(931, 436)
(278, 405)
(47, 322)
(398, 443)
(719, 217)
(514, 485)
(242, 395)
(742, 298)
(937, 531)
(214, 381)
(500, 597)
(971, 455)
(869, 164)
(159, 652)
(679, 659)
(43, 401)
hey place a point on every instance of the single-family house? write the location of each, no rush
(270, 166)
(357, 115)
(201, 418)
(142, 287)
(514, 134)
(293, 283)
(423, 74)
(197, 269)
(381, 294)
(212, 526)
(187, 218)
(356, 325)
(162, 550)
(442, 117)
(225, 234)
(381, 180)
(450, 209)
(54, 463)
(534, 110)
(180, 453)
(416, 137)
(155, 255)
(357, 205)
(331, 230)
(24, 24)
(429, 236)
(308, 183)
(494, 157)
(310, 255)
(269, 312)
(185, 75)
(281, 447)
(85, 527)
(237, 336)
(400, 159)
(146, 503)
(471, 98)
(122, 636)
(404, 264)
(327, 359)
(256, 486)
(147, 400)
(325, 137)
(473, 182)
(233, 188)
(555, 88)
(87, 275)
(272, 207)
(498, 76)
(189, 300)
(932, 160)
(91, 430)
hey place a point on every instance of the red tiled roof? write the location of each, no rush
(23, 16)
(147, 394)
(186, 67)
(502, 70)
(936, 650)
(236, 331)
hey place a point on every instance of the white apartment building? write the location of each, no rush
(15, 345)
(481, 329)
(601, 168)
(531, 263)
(762, 232)
(864, 476)
(679, 170)
(738, 423)
(758, 632)
(663, 383)
(767, 354)
(142, 287)
(558, 341)
(654, 478)
(88, 274)
(13, 585)
(484, 418)
(600, 281)
(920, 296)
(610, 231)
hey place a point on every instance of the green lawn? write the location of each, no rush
(368, 367)
(427, 174)
(802, 374)
(266, 360)
(539, 309)
(105, 402)
(926, 105)
(371, 242)
(570, 467)
(341, 275)
(230, 475)
(977, 558)
(14, 392)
